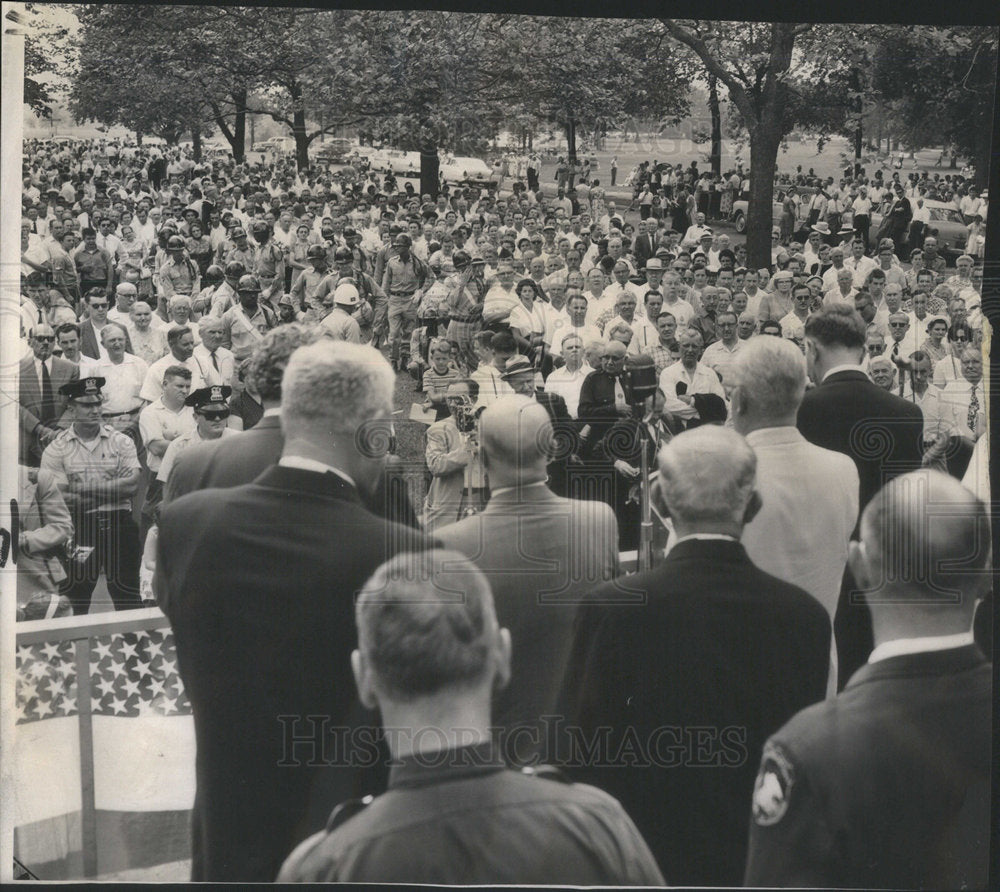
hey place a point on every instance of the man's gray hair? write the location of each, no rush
(206, 323)
(707, 475)
(109, 329)
(771, 373)
(340, 384)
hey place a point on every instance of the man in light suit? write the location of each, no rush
(218, 365)
(539, 552)
(680, 673)
(810, 494)
(880, 432)
(40, 376)
(260, 595)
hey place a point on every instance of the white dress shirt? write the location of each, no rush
(703, 380)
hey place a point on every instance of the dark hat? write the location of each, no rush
(517, 366)
(203, 397)
(711, 408)
(83, 387)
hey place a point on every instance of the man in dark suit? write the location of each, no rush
(882, 433)
(645, 244)
(258, 582)
(233, 461)
(98, 303)
(519, 373)
(680, 673)
(888, 784)
(603, 397)
(41, 405)
(539, 553)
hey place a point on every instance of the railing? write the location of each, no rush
(133, 649)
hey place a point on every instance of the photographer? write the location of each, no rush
(458, 485)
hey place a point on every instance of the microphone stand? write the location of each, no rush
(644, 556)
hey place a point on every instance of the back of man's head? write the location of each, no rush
(270, 357)
(337, 386)
(924, 552)
(770, 380)
(516, 437)
(836, 326)
(426, 626)
(707, 477)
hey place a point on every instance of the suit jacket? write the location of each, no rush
(90, 339)
(259, 584)
(890, 781)
(540, 553)
(233, 461)
(44, 526)
(566, 438)
(30, 401)
(701, 659)
(596, 408)
(643, 248)
(883, 435)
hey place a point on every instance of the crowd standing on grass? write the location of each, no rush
(163, 298)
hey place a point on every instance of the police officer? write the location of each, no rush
(247, 321)
(179, 273)
(403, 282)
(97, 471)
(453, 813)
(307, 282)
(211, 411)
(888, 785)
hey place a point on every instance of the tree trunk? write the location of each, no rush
(430, 169)
(715, 158)
(858, 134)
(299, 126)
(239, 140)
(138, 138)
(253, 127)
(765, 140)
(196, 141)
(571, 140)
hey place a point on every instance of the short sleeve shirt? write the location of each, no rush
(109, 456)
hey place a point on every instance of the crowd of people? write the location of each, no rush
(209, 399)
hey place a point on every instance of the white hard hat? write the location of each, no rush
(346, 294)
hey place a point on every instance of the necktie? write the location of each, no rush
(48, 401)
(215, 362)
(973, 411)
(895, 350)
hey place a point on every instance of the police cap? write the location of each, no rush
(213, 397)
(83, 389)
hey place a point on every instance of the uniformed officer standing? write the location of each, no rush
(97, 471)
(339, 323)
(888, 785)
(430, 654)
(403, 282)
(211, 410)
(248, 320)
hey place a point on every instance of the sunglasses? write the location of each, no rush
(45, 338)
(98, 306)
(215, 416)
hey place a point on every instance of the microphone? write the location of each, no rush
(642, 382)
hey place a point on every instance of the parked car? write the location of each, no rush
(334, 150)
(458, 169)
(952, 232)
(742, 203)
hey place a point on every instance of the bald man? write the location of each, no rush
(888, 785)
(539, 552)
(692, 665)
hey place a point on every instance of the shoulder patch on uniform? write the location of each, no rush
(547, 772)
(773, 788)
(347, 810)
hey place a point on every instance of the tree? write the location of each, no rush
(940, 82)
(752, 61)
(555, 61)
(47, 50)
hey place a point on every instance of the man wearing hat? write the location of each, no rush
(520, 374)
(303, 291)
(97, 471)
(270, 265)
(247, 321)
(211, 411)
(403, 282)
(339, 323)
